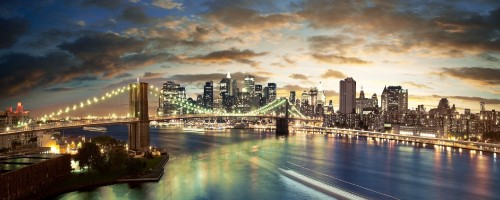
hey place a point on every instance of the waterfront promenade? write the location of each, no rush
(475, 146)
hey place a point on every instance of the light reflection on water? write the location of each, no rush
(243, 164)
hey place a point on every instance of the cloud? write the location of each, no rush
(339, 43)
(480, 76)
(153, 75)
(109, 54)
(335, 59)
(227, 56)
(25, 76)
(167, 4)
(416, 85)
(250, 20)
(330, 73)
(453, 99)
(299, 77)
(110, 4)
(135, 14)
(60, 89)
(289, 60)
(444, 28)
(490, 58)
(216, 77)
(11, 30)
(475, 99)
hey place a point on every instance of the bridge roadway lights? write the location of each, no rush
(138, 133)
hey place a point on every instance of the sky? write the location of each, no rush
(55, 53)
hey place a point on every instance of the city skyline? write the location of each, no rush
(437, 50)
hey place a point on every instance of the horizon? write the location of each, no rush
(55, 53)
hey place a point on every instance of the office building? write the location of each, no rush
(208, 95)
(347, 96)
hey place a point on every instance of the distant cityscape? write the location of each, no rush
(356, 111)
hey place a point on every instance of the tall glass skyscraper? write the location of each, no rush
(208, 95)
(250, 84)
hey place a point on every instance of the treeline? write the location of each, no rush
(115, 157)
(492, 136)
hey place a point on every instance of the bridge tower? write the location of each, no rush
(138, 133)
(282, 123)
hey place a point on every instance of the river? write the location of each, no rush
(248, 164)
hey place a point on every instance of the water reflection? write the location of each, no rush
(244, 164)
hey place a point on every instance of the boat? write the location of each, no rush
(95, 128)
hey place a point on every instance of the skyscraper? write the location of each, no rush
(250, 84)
(225, 92)
(347, 95)
(234, 88)
(272, 91)
(292, 97)
(259, 95)
(170, 91)
(208, 95)
(321, 95)
(394, 99)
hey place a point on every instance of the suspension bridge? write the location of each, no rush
(138, 118)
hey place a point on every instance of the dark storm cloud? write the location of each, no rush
(480, 75)
(227, 56)
(299, 77)
(330, 73)
(52, 37)
(335, 59)
(136, 15)
(27, 72)
(11, 29)
(60, 89)
(216, 77)
(88, 58)
(102, 3)
(110, 54)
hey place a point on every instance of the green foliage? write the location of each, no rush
(492, 136)
(148, 155)
(90, 156)
(105, 140)
(135, 166)
(117, 158)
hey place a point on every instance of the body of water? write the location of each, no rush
(247, 164)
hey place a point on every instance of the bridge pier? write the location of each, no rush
(282, 123)
(138, 133)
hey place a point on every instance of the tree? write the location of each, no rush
(105, 140)
(135, 166)
(117, 158)
(89, 156)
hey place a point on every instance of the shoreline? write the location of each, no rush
(153, 176)
(460, 144)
